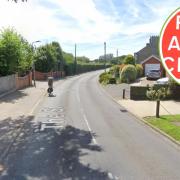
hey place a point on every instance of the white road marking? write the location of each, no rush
(85, 118)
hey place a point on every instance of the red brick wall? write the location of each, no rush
(43, 76)
(153, 60)
(22, 82)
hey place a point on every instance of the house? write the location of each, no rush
(152, 62)
(150, 49)
(149, 56)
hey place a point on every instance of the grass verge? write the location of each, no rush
(170, 124)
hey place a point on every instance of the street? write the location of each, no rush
(81, 133)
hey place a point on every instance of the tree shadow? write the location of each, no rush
(13, 97)
(9, 130)
(52, 155)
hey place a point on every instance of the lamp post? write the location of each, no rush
(33, 66)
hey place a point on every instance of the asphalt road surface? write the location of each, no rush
(81, 133)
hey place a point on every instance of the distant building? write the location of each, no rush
(109, 57)
(150, 49)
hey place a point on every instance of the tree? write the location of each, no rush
(45, 58)
(15, 53)
(129, 59)
(59, 56)
(157, 94)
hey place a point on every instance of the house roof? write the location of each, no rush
(152, 56)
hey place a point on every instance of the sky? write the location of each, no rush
(125, 25)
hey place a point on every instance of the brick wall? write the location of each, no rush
(43, 76)
(22, 82)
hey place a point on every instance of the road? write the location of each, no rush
(81, 133)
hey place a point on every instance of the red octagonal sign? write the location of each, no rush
(170, 45)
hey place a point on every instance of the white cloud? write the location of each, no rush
(79, 21)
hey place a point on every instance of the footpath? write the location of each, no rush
(138, 107)
(16, 109)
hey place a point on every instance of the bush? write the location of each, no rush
(139, 69)
(129, 59)
(104, 78)
(158, 93)
(112, 80)
(128, 74)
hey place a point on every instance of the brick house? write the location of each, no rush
(150, 49)
(152, 62)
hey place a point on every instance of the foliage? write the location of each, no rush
(118, 60)
(49, 57)
(129, 59)
(128, 74)
(104, 78)
(15, 53)
(139, 69)
(114, 71)
(157, 93)
(167, 124)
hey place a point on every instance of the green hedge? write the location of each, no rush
(138, 92)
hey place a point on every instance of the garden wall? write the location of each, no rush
(7, 84)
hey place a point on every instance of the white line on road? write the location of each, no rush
(85, 117)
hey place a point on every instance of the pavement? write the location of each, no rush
(81, 133)
(148, 108)
(141, 108)
(16, 109)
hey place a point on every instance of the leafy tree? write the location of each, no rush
(15, 53)
(129, 59)
(45, 58)
(59, 56)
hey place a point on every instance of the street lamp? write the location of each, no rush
(33, 66)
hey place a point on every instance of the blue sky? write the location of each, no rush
(125, 25)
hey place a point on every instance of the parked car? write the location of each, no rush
(153, 74)
(163, 81)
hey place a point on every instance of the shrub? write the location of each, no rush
(112, 80)
(139, 69)
(128, 74)
(138, 92)
(104, 78)
(129, 59)
(158, 93)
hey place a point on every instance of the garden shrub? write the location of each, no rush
(104, 78)
(139, 69)
(128, 74)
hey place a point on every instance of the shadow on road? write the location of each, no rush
(52, 155)
(13, 97)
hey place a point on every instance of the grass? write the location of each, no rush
(168, 124)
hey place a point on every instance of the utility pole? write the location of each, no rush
(75, 60)
(33, 65)
(117, 53)
(105, 56)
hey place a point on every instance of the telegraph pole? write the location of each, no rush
(117, 53)
(105, 56)
(75, 60)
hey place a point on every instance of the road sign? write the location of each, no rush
(169, 45)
